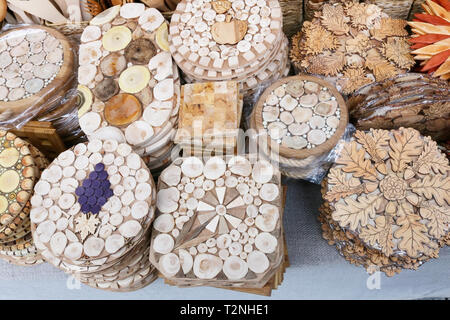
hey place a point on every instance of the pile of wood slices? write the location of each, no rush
(297, 120)
(129, 83)
(387, 200)
(21, 165)
(218, 222)
(210, 114)
(239, 40)
(352, 44)
(407, 100)
(91, 215)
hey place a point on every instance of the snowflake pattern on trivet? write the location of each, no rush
(217, 216)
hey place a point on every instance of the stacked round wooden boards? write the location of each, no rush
(297, 120)
(229, 40)
(91, 214)
(20, 167)
(129, 83)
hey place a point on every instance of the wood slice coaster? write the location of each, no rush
(218, 222)
(224, 35)
(411, 100)
(352, 44)
(302, 116)
(129, 85)
(209, 110)
(35, 63)
(92, 209)
(390, 190)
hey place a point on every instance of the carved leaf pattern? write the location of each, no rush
(380, 234)
(431, 159)
(356, 163)
(341, 186)
(405, 146)
(412, 234)
(437, 187)
(389, 27)
(355, 213)
(333, 19)
(438, 217)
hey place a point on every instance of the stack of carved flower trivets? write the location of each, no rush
(91, 214)
(298, 119)
(127, 76)
(218, 222)
(388, 200)
(230, 40)
(352, 44)
(20, 167)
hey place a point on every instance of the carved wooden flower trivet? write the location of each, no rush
(411, 100)
(126, 75)
(218, 222)
(391, 190)
(91, 212)
(353, 44)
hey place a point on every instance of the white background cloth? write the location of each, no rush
(317, 271)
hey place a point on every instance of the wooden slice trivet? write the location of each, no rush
(96, 241)
(35, 63)
(302, 115)
(224, 214)
(214, 29)
(126, 76)
(390, 190)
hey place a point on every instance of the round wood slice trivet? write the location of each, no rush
(302, 116)
(352, 44)
(92, 208)
(128, 82)
(390, 190)
(218, 222)
(35, 63)
(224, 35)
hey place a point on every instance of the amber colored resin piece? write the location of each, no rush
(122, 109)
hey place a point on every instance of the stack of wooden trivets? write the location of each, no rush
(36, 71)
(20, 167)
(230, 40)
(129, 83)
(408, 100)
(218, 222)
(387, 200)
(210, 115)
(297, 120)
(352, 44)
(91, 214)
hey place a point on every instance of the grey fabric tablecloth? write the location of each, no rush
(317, 271)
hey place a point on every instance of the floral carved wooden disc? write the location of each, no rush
(218, 221)
(126, 75)
(353, 44)
(17, 176)
(392, 190)
(92, 205)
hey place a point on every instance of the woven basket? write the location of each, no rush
(292, 16)
(394, 8)
(416, 8)
(69, 29)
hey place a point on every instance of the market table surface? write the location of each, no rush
(317, 271)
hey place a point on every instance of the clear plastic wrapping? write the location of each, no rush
(408, 100)
(37, 75)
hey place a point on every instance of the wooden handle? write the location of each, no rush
(3, 8)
